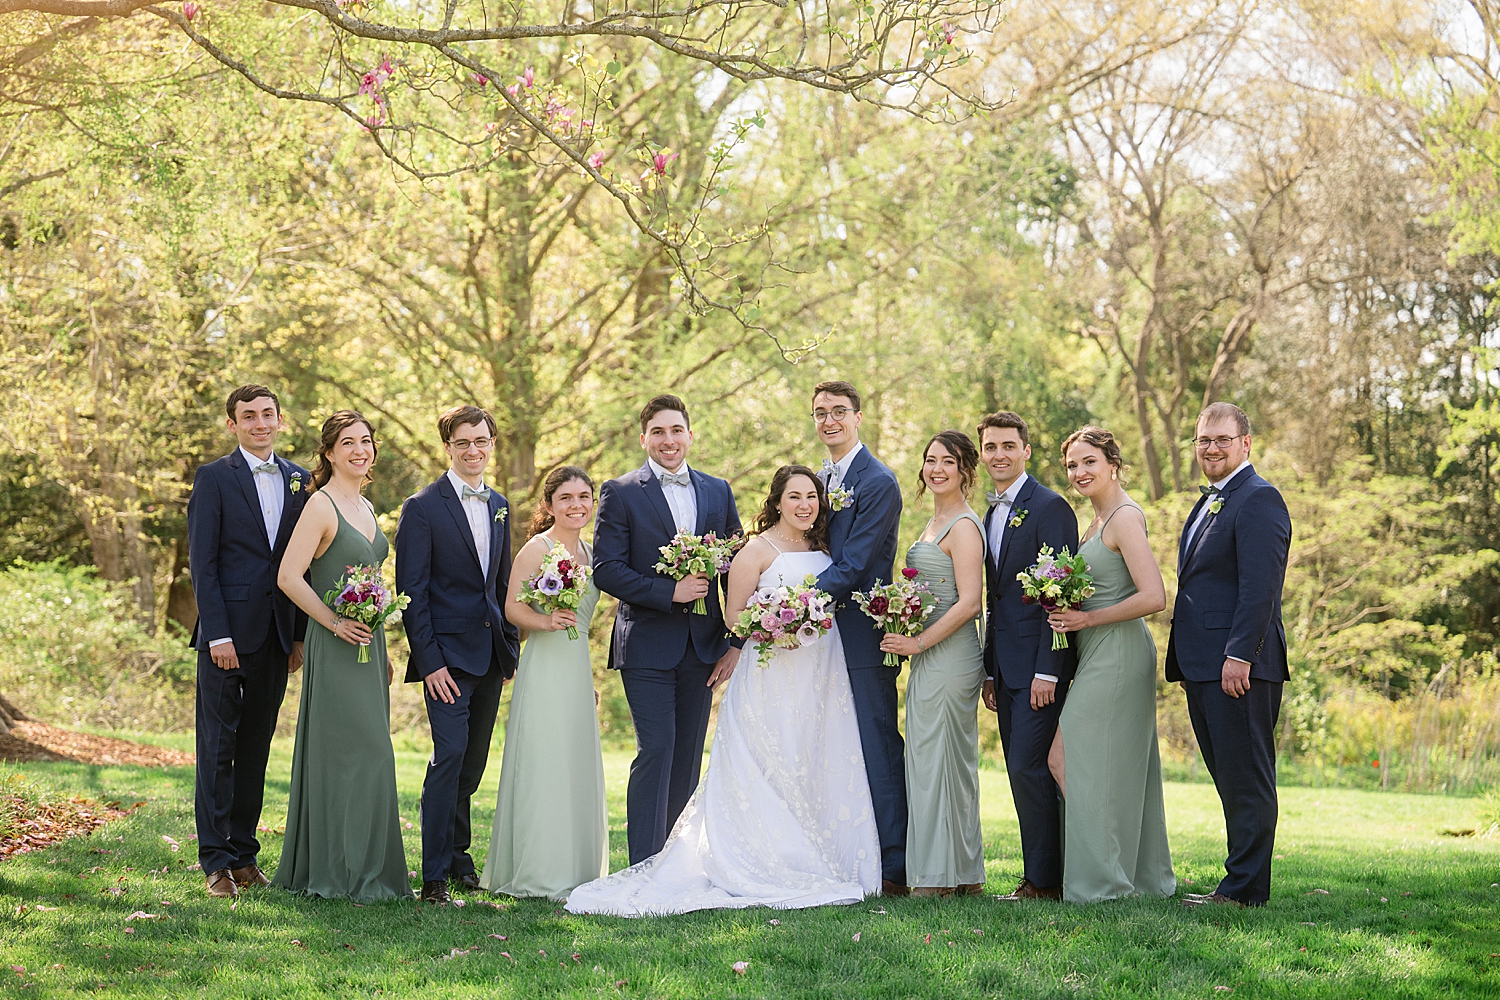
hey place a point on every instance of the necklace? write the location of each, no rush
(790, 541)
(344, 495)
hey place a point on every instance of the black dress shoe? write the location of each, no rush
(435, 892)
(469, 882)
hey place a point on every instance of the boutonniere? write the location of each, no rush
(500, 515)
(296, 484)
(1015, 522)
(1216, 505)
(839, 498)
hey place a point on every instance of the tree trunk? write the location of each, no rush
(1141, 389)
(9, 715)
(182, 607)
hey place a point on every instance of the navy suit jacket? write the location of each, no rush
(232, 565)
(1229, 585)
(634, 522)
(1019, 642)
(862, 537)
(455, 617)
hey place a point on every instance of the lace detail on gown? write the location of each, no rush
(783, 817)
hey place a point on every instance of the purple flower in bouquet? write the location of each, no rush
(900, 607)
(550, 584)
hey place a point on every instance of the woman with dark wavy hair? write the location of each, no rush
(944, 843)
(783, 816)
(343, 832)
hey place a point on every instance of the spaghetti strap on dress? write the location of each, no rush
(944, 842)
(1115, 827)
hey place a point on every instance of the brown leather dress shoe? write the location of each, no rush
(435, 892)
(1027, 890)
(1212, 899)
(971, 889)
(889, 888)
(221, 884)
(932, 890)
(249, 876)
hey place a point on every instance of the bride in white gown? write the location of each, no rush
(783, 816)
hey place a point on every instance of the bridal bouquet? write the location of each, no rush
(559, 584)
(785, 617)
(363, 597)
(686, 555)
(1056, 581)
(901, 606)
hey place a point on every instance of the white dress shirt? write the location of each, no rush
(998, 524)
(478, 513)
(1202, 514)
(682, 500)
(841, 467)
(270, 490)
(1002, 516)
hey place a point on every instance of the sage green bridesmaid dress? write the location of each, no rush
(944, 842)
(343, 830)
(551, 833)
(1115, 828)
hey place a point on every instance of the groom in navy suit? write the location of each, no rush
(248, 635)
(1027, 679)
(453, 561)
(1228, 646)
(669, 660)
(862, 536)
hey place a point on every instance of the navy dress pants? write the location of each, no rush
(874, 691)
(1026, 736)
(236, 717)
(460, 749)
(670, 709)
(1238, 739)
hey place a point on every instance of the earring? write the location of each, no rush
(1114, 476)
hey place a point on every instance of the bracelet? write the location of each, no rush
(919, 644)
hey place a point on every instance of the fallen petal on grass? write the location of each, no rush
(499, 937)
(740, 968)
(857, 934)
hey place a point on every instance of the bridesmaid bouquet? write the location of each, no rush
(688, 554)
(1056, 581)
(363, 596)
(559, 584)
(901, 606)
(785, 617)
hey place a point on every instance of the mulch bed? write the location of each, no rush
(31, 825)
(37, 741)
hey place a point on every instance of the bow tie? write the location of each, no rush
(997, 498)
(676, 479)
(265, 467)
(1208, 491)
(469, 491)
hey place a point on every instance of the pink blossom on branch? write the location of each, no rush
(190, 10)
(528, 78)
(660, 162)
(596, 159)
(481, 79)
(949, 33)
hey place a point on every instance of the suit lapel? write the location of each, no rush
(252, 496)
(1022, 499)
(658, 499)
(456, 508)
(1208, 521)
(497, 528)
(286, 498)
(700, 499)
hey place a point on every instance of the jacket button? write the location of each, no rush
(486, 624)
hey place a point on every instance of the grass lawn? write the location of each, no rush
(1408, 913)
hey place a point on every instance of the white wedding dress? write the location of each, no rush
(783, 816)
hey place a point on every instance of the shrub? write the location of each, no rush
(73, 653)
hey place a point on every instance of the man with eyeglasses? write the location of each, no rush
(1228, 647)
(862, 539)
(453, 561)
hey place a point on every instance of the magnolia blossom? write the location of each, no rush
(596, 160)
(528, 78)
(481, 79)
(189, 10)
(660, 162)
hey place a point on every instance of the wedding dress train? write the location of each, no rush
(783, 816)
